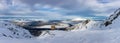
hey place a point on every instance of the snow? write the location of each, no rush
(88, 36)
(9, 30)
(115, 24)
(83, 26)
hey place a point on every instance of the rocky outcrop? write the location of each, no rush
(112, 17)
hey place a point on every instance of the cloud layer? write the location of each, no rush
(58, 8)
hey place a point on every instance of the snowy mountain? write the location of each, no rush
(9, 30)
(112, 21)
(113, 18)
(88, 31)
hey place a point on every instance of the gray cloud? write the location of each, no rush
(74, 7)
(67, 4)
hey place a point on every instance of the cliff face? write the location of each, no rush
(9, 30)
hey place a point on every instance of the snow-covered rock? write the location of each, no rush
(9, 30)
(87, 24)
(113, 21)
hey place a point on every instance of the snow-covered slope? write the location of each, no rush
(115, 24)
(9, 30)
(88, 24)
(114, 19)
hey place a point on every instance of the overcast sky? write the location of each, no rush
(59, 9)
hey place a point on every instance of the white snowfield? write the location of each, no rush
(91, 32)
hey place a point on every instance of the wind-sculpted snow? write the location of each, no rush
(9, 30)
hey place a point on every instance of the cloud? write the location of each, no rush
(2, 5)
(59, 3)
(60, 8)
